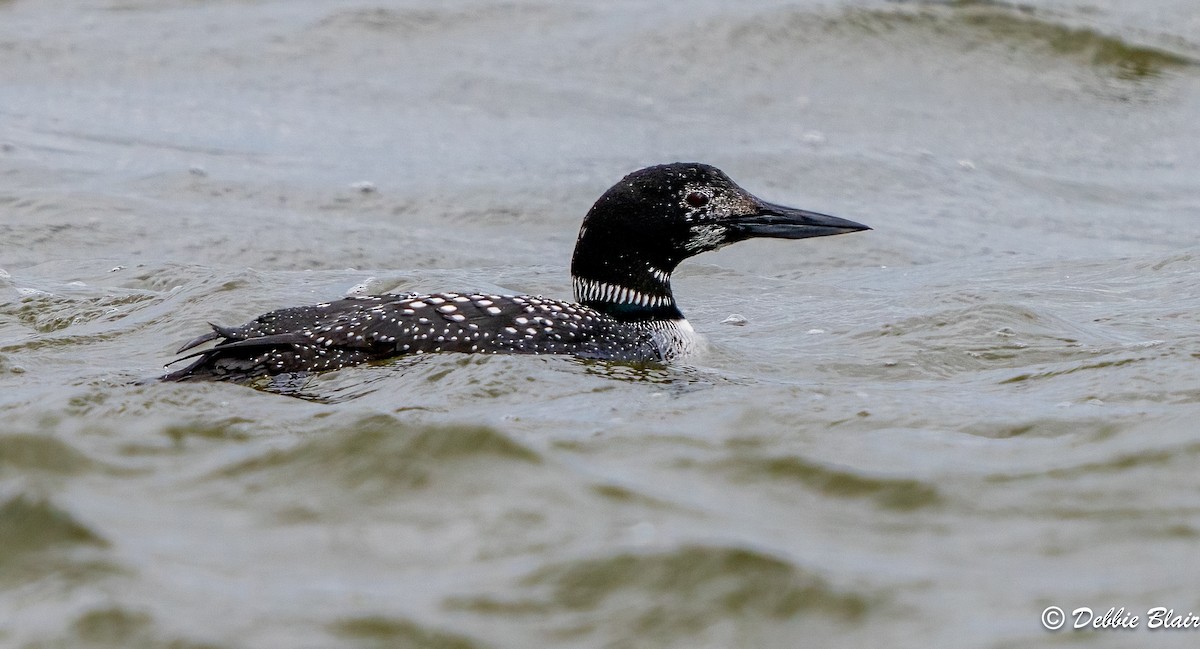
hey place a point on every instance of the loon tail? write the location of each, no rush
(234, 358)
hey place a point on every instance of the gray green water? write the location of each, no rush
(923, 436)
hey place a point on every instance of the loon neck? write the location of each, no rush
(625, 277)
(636, 297)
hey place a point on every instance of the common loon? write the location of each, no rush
(630, 242)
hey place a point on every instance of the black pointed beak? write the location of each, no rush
(782, 222)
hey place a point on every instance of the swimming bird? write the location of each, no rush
(629, 244)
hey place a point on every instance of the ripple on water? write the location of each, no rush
(410, 22)
(383, 455)
(46, 312)
(830, 480)
(36, 539)
(395, 632)
(948, 342)
(1036, 31)
(116, 627)
(1042, 426)
(1018, 34)
(674, 593)
(23, 452)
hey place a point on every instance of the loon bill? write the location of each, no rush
(630, 242)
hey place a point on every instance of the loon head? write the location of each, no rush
(642, 227)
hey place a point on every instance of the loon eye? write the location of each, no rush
(697, 199)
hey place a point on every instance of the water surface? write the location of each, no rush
(923, 435)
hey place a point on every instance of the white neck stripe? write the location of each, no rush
(590, 290)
